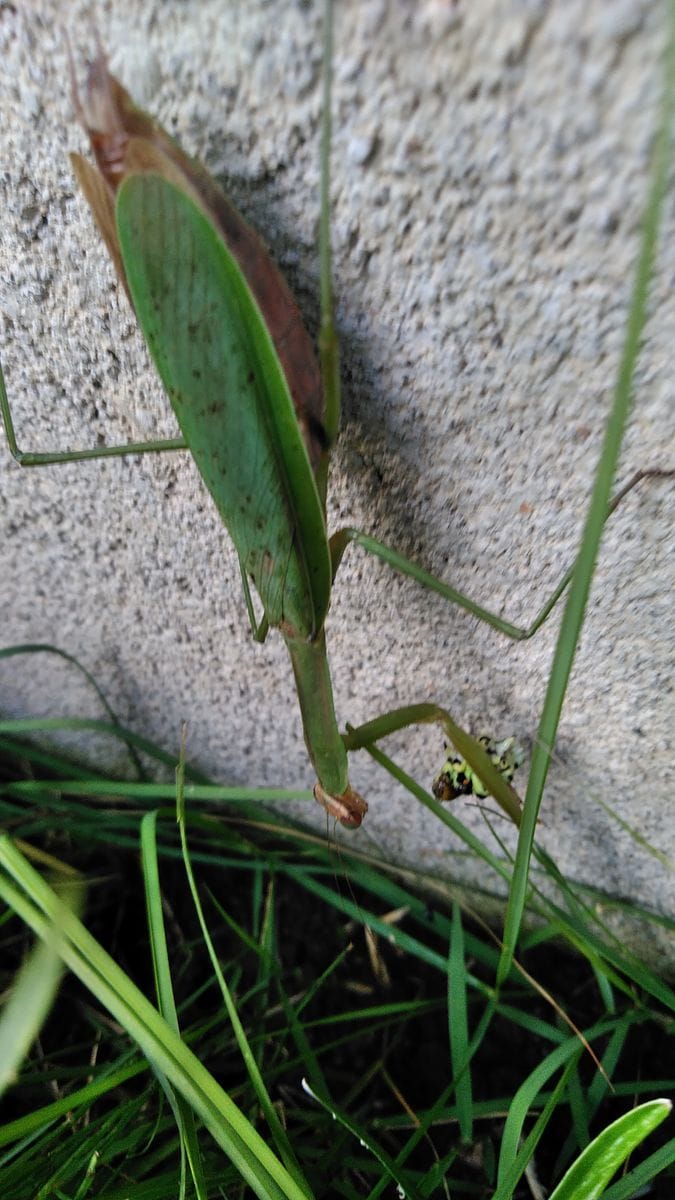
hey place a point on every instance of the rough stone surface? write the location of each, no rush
(490, 174)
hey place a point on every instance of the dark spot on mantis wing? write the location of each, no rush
(196, 373)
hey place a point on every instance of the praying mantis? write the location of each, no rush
(304, 630)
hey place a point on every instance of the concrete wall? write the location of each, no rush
(490, 172)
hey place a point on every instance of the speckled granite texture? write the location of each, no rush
(490, 173)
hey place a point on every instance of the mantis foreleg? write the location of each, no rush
(424, 714)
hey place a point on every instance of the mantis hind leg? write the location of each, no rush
(344, 537)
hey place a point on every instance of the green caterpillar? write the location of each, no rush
(456, 777)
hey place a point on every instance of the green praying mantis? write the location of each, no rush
(256, 411)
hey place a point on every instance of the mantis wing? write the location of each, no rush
(221, 371)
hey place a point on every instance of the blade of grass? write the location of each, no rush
(575, 606)
(516, 1165)
(594, 1095)
(385, 1160)
(637, 1181)
(528, 1091)
(32, 993)
(279, 1135)
(41, 909)
(36, 1121)
(588, 1176)
(459, 1026)
(28, 725)
(47, 648)
(183, 1114)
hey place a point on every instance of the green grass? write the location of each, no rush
(246, 1004)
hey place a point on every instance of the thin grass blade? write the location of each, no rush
(575, 606)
